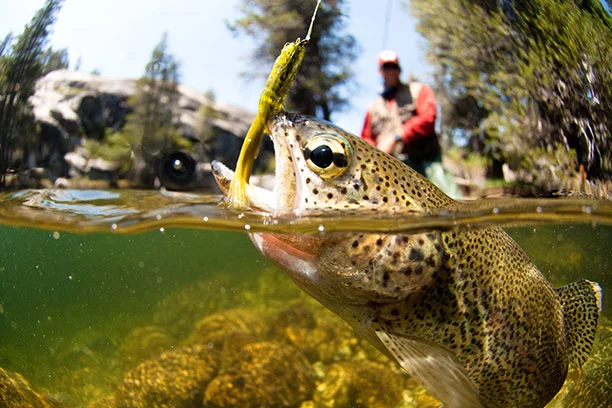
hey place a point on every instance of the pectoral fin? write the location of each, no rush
(435, 367)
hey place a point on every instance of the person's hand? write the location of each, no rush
(386, 143)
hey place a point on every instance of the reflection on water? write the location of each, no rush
(104, 302)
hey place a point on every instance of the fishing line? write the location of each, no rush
(386, 25)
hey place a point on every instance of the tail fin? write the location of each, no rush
(582, 303)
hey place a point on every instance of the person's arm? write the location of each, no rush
(366, 132)
(423, 122)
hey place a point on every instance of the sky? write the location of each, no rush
(116, 38)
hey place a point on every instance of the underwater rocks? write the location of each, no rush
(263, 344)
(15, 392)
(362, 384)
(175, 379)
(143, 343)
(265, 374)
(182, 309)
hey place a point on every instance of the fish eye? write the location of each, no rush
(327, 154)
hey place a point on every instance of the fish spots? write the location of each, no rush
(416, 255)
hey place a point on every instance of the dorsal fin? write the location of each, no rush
(582, 303)
(437, 368)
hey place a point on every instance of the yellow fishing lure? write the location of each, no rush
(271, 101)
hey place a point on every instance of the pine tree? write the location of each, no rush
(153, 123)
(54, 60)
(326, 71)
(19, 71)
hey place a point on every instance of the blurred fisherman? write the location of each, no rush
(401, 121)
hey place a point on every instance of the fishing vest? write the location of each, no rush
(387, 118)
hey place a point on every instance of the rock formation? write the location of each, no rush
(70, 107)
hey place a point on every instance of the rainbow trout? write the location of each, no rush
(467, 313)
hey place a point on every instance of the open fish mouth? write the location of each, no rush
(282, 198)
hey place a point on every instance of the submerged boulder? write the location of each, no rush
(177, 378)
(16, 392)
(264, 374)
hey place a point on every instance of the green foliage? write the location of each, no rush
(115, 148)
(54, 60)
(326, 70)
(524, 79)
(206, 114)
(19, 70)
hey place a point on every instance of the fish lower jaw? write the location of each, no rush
(258, 198)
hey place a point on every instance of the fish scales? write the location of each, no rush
(466, 312)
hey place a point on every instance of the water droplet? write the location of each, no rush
(587, 209)
(158, 217)
(56, 235)
(539, 209)
(69, 277)
(210, 345)
(141, 264)
(321, 228)
(496, 210)
(162, 230)
(205, 219)
(114, 227)
(240, 216)
(247, 227)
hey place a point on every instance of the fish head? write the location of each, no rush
(322, 169)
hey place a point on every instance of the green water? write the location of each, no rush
(83, 274)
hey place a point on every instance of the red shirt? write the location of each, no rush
(421, 125)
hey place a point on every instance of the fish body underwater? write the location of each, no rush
(466, 312)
